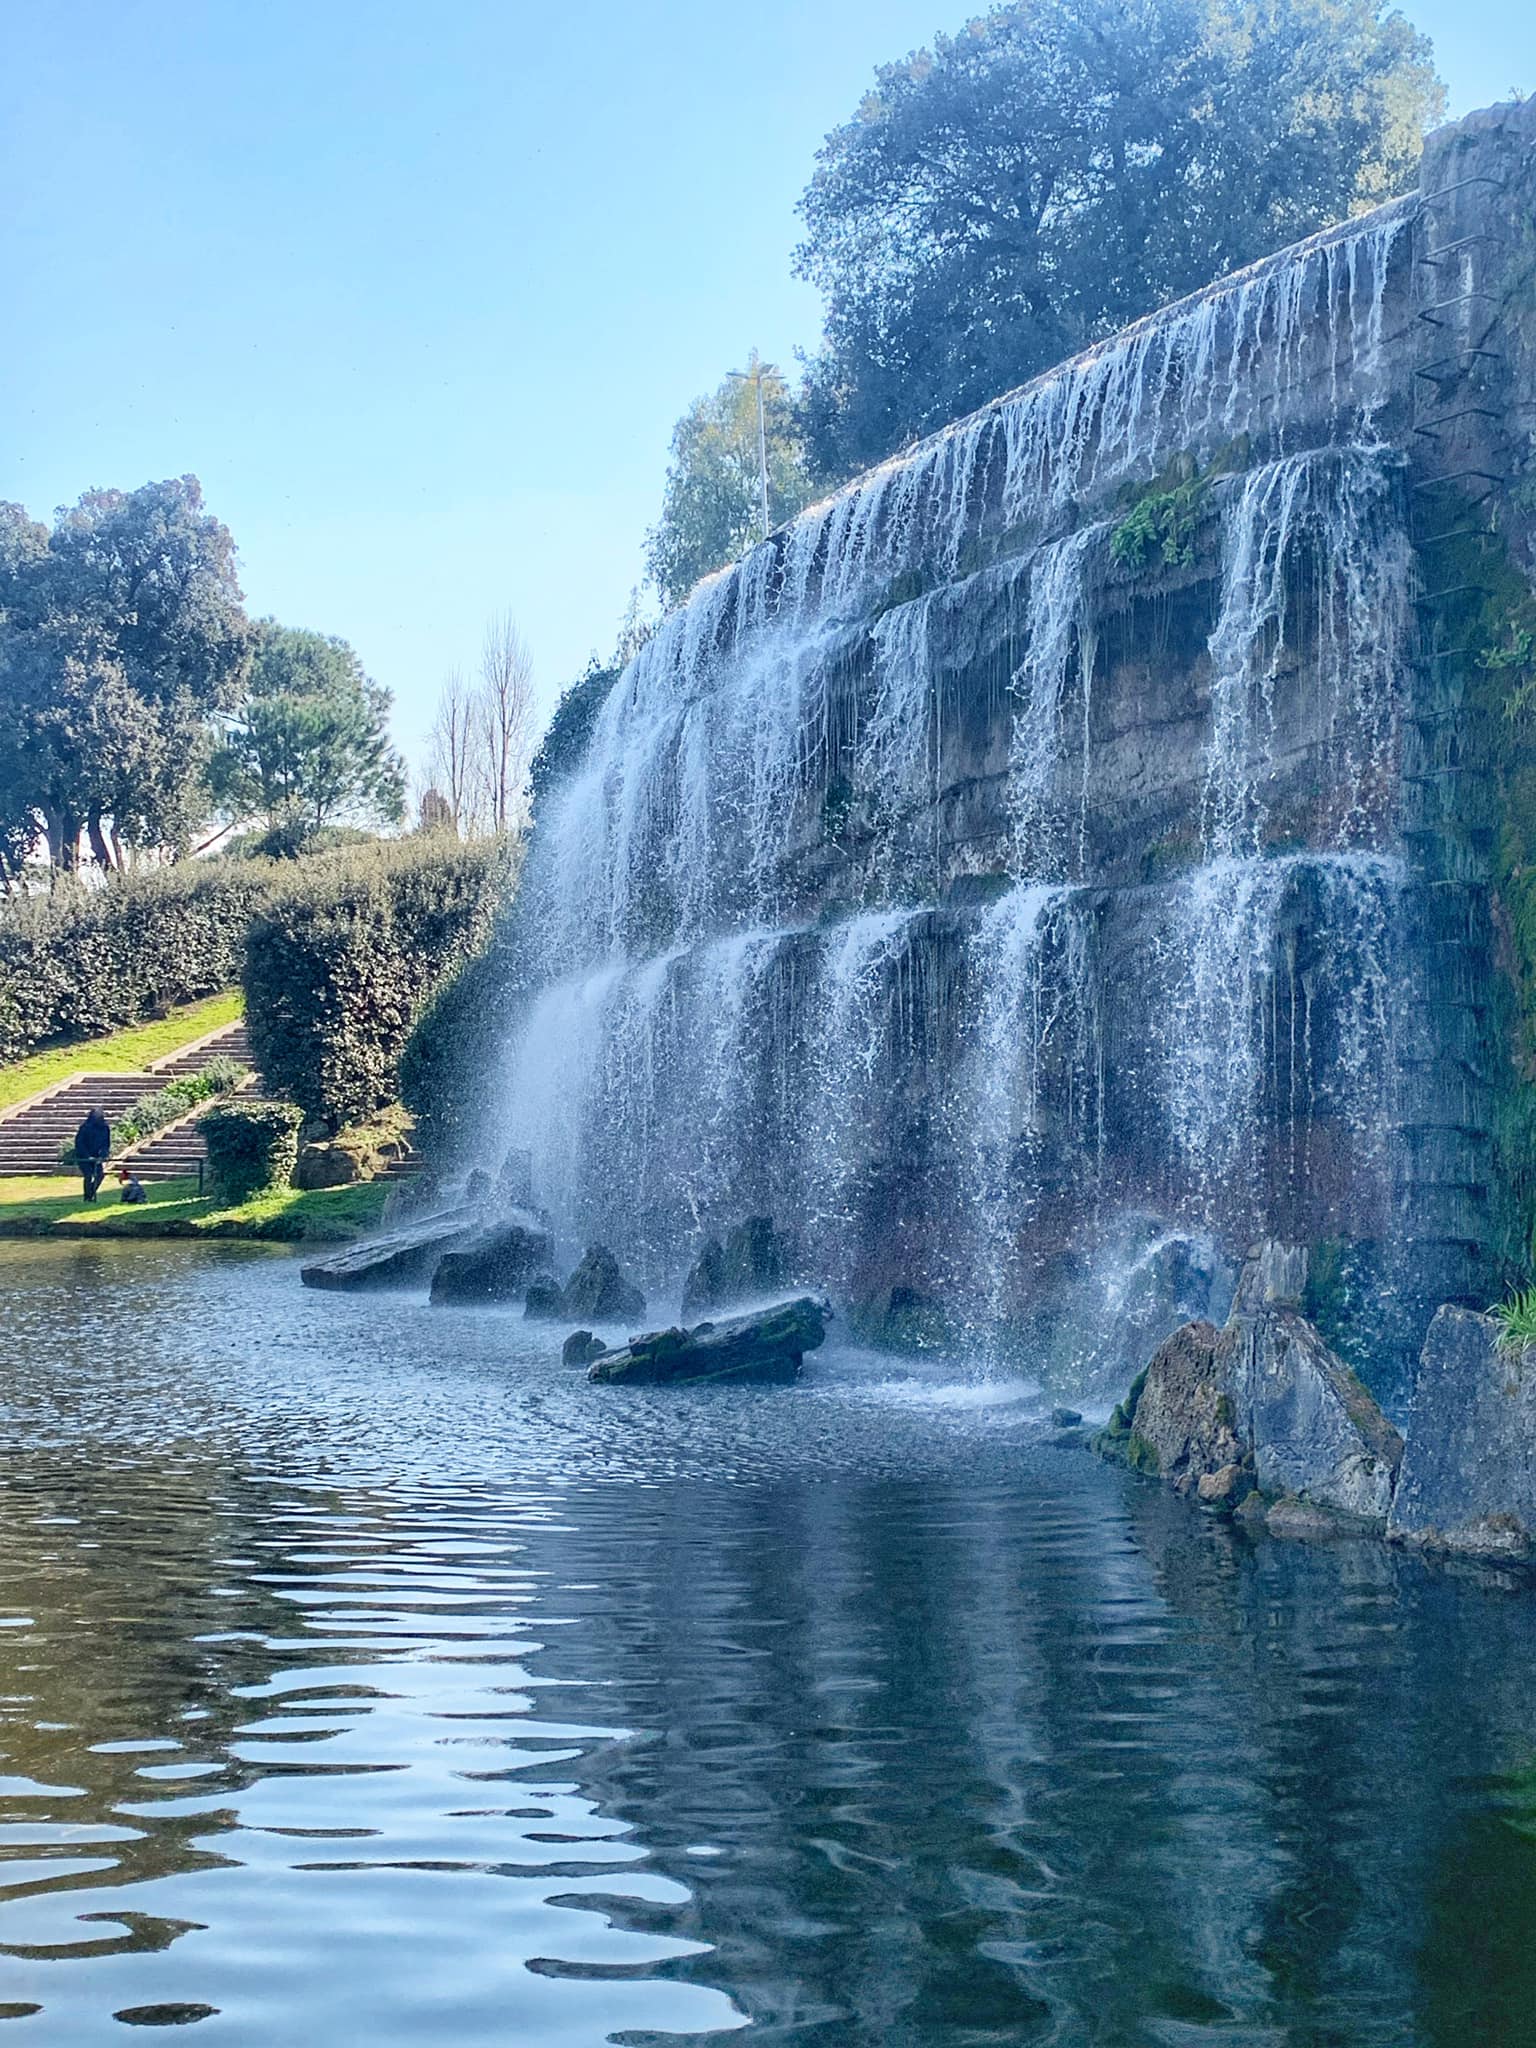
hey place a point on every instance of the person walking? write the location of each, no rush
(93, 1143)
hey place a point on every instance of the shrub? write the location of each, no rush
(252, 1146)
(452, 1052)
(340, 963)
(82, 962)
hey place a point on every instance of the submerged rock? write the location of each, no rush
(581, 1347)
(768, 1344)
(598, 1290)
(496, 1265)
(397, 1258)
(1468, 1482)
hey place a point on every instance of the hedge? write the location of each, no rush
(82, 962)
(252, 1146)
(337, 971)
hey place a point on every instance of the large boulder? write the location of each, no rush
(1468, 1482)
(598, 1292)
(1261, 1403)
(396, 1258)
(768, 1344)
(1314, 1429)
(1179, 1422)
(496, 1265)
(333, 1163)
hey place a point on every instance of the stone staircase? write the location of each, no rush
(31, 1134)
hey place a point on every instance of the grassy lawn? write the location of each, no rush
(123, 1052)
(38, 1205)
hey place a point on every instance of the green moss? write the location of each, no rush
(1141, 1457)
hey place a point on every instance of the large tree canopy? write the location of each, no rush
(1060, 167)
(121, 639)
(312, 746)
(711, 509)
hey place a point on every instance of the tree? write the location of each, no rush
(711, 502)
(122, 642)
(312, 748)
(1061, 167)
(452, 755)
(482, 737)
(505, 716)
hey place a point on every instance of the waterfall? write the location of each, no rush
(842, 919)
(1246, 1008)
(1325, 525)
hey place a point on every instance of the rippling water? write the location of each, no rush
(367, 1677)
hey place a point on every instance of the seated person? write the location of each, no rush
(132, 1188)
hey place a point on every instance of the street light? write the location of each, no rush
(755, 376)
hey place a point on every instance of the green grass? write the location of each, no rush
(47, 1205)
(1516, 1319)
(123, 1052)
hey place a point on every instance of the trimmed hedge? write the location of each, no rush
(337, 971)
(82, 962)
(252, 1146)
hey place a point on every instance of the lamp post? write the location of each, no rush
(755, 376)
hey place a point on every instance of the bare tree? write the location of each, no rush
(453, 751)
(506, 720)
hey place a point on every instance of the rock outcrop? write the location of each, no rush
(496, 1265)
(1468, 1482)
(768, 1344)
(1313, 1428)
(1261, 1404)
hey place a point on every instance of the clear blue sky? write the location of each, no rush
(419, 290)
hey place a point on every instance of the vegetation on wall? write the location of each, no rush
(338, 969)
(1160, 525)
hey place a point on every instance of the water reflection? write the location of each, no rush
(321, 1723)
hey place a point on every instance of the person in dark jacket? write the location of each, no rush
(130, 1188)
(93, 1142)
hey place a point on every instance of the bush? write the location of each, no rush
(82, 962)
(341, 962)
(252, 1146)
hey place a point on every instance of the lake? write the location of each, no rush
(370, 1677)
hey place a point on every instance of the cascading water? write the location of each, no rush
(843, 916)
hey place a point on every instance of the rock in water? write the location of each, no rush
(1468, 1482)
(496, 1265)
(1314, 1429)
(1265, 1396)
(705, 1285)
(397, 1258)
(768, 1344)
(598, 1291)
(1178, 1423)
(545, 1301)
(754, 1260)
(581, 1347)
